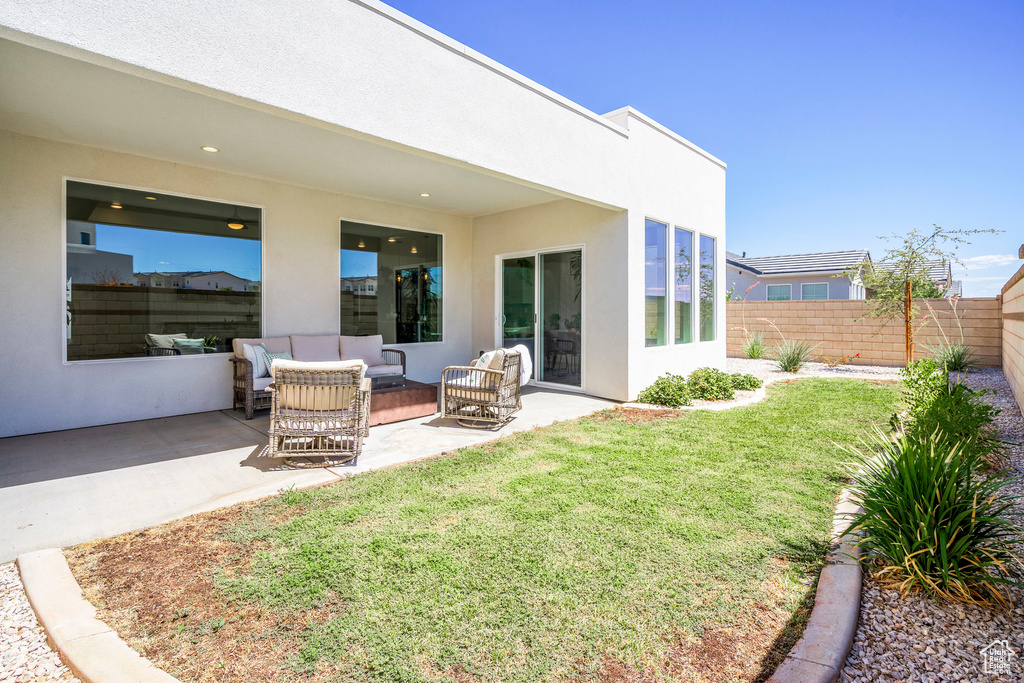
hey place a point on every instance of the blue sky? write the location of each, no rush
(840, 122)
(156, 250)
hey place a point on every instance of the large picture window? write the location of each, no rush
(655, 281)
(707, 288)
(683, 286)
(150, 274)
(391, 283)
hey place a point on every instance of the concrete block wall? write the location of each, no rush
(843, 328)
(1013, 334)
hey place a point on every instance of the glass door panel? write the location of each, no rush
(518, 295)
(561, 318)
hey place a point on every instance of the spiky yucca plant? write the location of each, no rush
(934, 520)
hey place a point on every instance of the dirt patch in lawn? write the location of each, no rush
(157, 589)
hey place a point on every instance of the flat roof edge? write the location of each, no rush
(640, 116)
(449, 43)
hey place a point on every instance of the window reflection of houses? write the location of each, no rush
(213, 280)
(366, 286)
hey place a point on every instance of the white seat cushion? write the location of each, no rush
(259, 364)
(164, 341)
(368, 349)
(383, 370)
(261, 383)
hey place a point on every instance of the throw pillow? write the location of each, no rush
(189, 347)
(254, 356)
(269, 357)
(164, 341)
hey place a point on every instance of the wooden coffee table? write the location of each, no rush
(405, 402)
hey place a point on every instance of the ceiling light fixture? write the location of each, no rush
(208, 148)
(116, 205)
(362, 244)
(424, 194)
(152, 199)
(391, 239)
(413, 250)
(236, 222)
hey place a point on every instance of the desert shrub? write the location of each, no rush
(710, 384)
(933, 520)
(743, 382)
(753, 345)
(954, 412)
(955, 357)
(791, 355)
(668, 390)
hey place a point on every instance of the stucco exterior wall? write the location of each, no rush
(301, 262)
(674, 185)
(359, 65)
(1013, 334)
(564, 223)
(838, 287)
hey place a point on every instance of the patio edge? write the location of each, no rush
(87, 646)
(820, 654)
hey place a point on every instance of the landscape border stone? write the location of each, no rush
(87, 646)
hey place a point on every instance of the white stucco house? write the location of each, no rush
(295, 144)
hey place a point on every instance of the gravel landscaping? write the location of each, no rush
(24, 654)
(920, 639)
(767, 370)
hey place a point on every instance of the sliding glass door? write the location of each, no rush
(542, 308)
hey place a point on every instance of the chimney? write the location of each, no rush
(745, 253)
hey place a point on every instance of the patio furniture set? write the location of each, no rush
(325, 392)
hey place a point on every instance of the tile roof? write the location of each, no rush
(938, 270)
(828, 261)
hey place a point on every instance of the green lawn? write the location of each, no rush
(549, 554)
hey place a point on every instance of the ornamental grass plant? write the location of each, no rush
(935, 520)
(791, 355)
(754, 345)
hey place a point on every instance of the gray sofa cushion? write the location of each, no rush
(367, 349)
(319, 348)
(273, 344)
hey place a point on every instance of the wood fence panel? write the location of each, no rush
(1013, 334)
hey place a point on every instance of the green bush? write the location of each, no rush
(753, 346)
(668, 390)
(957, 413)
(710, 384)
(934, 521)
(954, 357)
(743, 382)
(791, 355)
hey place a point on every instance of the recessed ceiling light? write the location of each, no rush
(152, 199)
(362, 244)
(207, 148)
(115, 205)
(413, 250)
(424, 194)
(391, 239)
(236, 226)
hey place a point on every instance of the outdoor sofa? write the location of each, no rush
(249, 388)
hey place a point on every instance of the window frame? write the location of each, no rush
(694, 299)
(767, 295)
(814, 284)
(61, 289)
(445, 293)
(715, 278)
(667, 283)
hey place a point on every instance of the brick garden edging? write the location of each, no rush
(820, 654)
(87, 646)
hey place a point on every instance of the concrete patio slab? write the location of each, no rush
(62, 488)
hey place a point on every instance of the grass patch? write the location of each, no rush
(604, 548)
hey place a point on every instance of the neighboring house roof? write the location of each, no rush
(823, 262)
(956, 289)
(189, 273)
(938, 270)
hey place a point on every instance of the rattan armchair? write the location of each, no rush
(482, 397)
(319, 412)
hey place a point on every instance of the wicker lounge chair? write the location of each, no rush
(319, 412)
(482, 396)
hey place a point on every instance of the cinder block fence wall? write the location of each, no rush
(844, 328)
(1013, 334)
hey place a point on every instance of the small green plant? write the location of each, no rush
(710, 384)
(933, 520)
(838, 361)
(753, 345)
(954, 356)
(668, 390)
(210, 342)
(791, 354)
(742, 382)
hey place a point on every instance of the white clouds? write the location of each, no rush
(989, 261)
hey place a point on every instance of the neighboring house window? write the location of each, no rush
(817, 291)
(86, 239)
(408, 269)
(683, 286)
(655, 281)
(780, 292)
(142, 325)
(707, 288)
